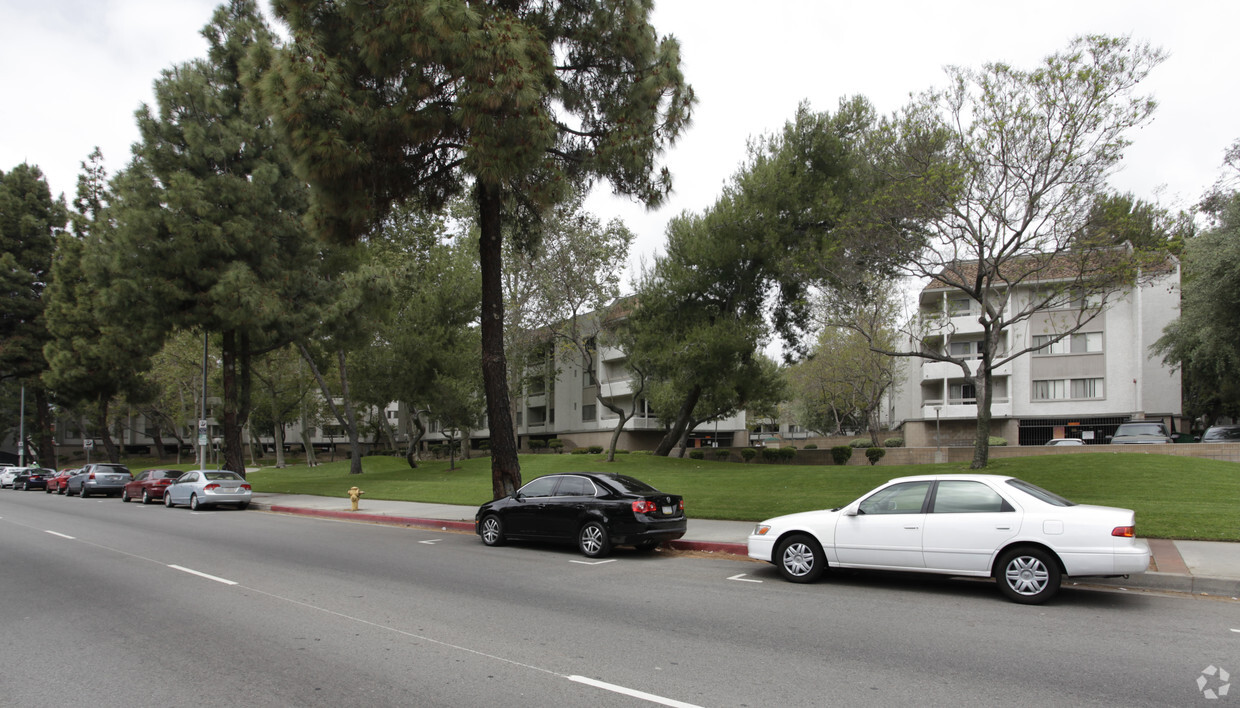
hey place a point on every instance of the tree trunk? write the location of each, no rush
(43, 422)
(355, 458)
(411, 451)
(505, 466)
(678, 427)
(277, 434)
(234, 455)
(981, 440)
(109, 446)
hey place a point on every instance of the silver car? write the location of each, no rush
(199, 488)
(107, 478)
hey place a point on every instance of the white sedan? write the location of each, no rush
(201, 488)
(969, 525)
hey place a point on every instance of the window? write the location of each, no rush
(575, 487)
(589, 412)
(1078, 343)
(958, 305)
(967, 349)
(905, 498)
(962, 393)
(541, 487)
(967, 498)
(1060, 389)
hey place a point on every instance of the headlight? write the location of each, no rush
(761, 529)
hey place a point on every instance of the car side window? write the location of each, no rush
(541, 487)
(904, 498)
(575, 487)
(964, 497)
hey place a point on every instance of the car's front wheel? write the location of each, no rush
(1029, 575)
(800, 559)
(492, 531)
(193, 503)
(593, 541)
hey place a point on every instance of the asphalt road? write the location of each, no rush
(111, 604)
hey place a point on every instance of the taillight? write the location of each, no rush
(682, 504)
(210, 487)
(644, 507)
(92, 475)
(246, 487)
(1124, 531)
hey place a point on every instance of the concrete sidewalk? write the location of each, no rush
(1200, 567)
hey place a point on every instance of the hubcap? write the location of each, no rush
(490, 530)
(591, 539)
(1027, 575)
(798, 559)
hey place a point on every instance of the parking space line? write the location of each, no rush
(642, 695)
(741, 578)
(203, 575)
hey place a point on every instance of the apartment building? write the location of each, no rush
(1081, 386)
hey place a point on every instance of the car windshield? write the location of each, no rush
(1222, 434)
(629, 485)
(1141, 429)
(1037, 492)
(216, 476)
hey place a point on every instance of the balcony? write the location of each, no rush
(1000, 407)
(611, 354)
(616, 389)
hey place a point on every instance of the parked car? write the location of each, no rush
(1222, 433)
(7, 475)
(1140, 432)
(57, 483)
(594, 510)
(149, 485)
(202, 488)
(32, 478)
(107, 478)
(1065, 442)
(1025, 537)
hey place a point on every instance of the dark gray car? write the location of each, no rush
(1141, 432)
(99, 478)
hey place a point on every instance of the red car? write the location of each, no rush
(57, 483)
(149, 485)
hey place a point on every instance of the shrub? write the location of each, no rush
(874, 454)
(893, 442)
(484, 445)
(997, 442)
(697, 454)
(580, 451)
(811, 446)
(596, 449)
(620, 451)
(556, 444)
(786, 454)
(722, 454)
(860, 443)
(748, 454)
(770, 454)
(841, 453)
(537, 445)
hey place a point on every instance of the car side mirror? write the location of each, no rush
(852, 509)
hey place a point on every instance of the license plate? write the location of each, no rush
(667, 511)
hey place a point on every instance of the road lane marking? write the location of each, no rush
(743, 579)
(609, 560)
(71, 538)
(431, 542)
(203, 575)
(632, 692)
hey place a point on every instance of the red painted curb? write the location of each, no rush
(376, 518)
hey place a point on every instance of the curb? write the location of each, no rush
(373, 518)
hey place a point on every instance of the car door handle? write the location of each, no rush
(911, 528)
(1004, 528)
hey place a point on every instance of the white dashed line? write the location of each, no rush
(631, 692)
(203, 575)
(71, 538)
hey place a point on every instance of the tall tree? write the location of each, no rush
(1204, 341)
(208, 214)
(1031, 150)
(30, 222)
(514, 100)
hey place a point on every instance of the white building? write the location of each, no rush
(1082, 386)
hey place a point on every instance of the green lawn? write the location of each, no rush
(1174, 497)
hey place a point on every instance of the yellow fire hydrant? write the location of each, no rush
(355, 495)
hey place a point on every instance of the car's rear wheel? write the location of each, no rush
(125, 496)
(593, 541)
(1028, 575)
(193, 503)
(167, 500)
(492, 531)
(146, 496)
(800, 559)
(82, 493)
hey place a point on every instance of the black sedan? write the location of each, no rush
(32, 478)
(592, 509)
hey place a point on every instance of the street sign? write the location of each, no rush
(88, 444)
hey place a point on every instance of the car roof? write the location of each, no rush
(940, 477)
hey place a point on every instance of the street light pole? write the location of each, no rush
(202, 420)
(21, 431)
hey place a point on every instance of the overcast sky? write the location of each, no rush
(72, 72)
